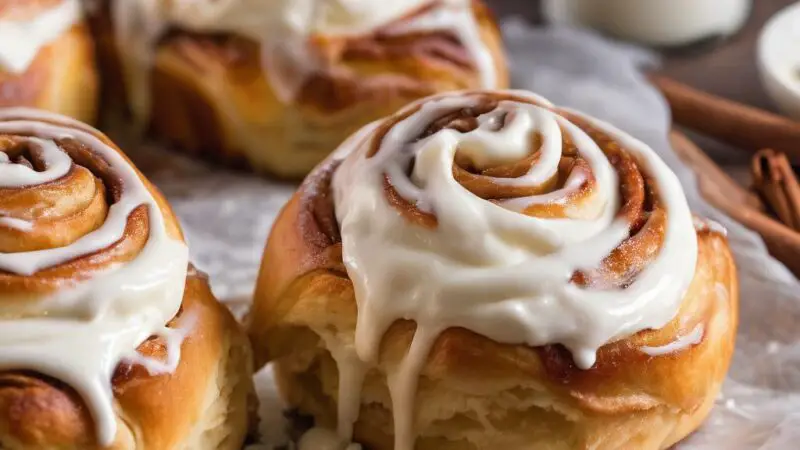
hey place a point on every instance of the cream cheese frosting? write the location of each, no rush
(252, 17)
(693, 338)
(486, 267)
(283, 28)
(81, 332)
(21, 40)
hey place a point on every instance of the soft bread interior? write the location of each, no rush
(475, 417)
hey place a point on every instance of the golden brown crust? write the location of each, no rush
(64, 210)
(210, 95)
(206, 403)
(37, 411)
(479, 394)
(156, 412)
(214, 359)
(62, 78)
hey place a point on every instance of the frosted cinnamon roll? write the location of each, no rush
(275, 85)
(108, 338)
(47, 57)
(485, 270)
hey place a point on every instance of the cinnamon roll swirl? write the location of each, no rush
(276, 85)
(485, 270)
(107, 340)
(47, 57)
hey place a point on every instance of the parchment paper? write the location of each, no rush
(227, 217)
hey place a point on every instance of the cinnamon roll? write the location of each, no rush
(275, 85)
(485, 270)
(47, 57)
(109, 338)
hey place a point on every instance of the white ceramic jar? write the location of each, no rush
(779, 60)
(669, 23)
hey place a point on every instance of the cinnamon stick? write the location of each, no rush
(775, 180)
(713, 174)
(783, 243)
(742, 126)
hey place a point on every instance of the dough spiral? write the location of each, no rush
(485, 270)
(575, 233)
(95, 293)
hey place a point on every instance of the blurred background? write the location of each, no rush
(726, 67)
(722, 64)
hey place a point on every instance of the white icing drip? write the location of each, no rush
(403, 382)
(17, 224)
(21, 40)
(81, 332)
(283, 28)
(682, 343)
(174, 338)
(138, 25)
(512, 282)
(716, 227)
(701, 224)
(352, 374)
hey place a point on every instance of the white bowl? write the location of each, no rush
(779, 59)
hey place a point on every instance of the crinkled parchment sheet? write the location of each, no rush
(227, 217)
